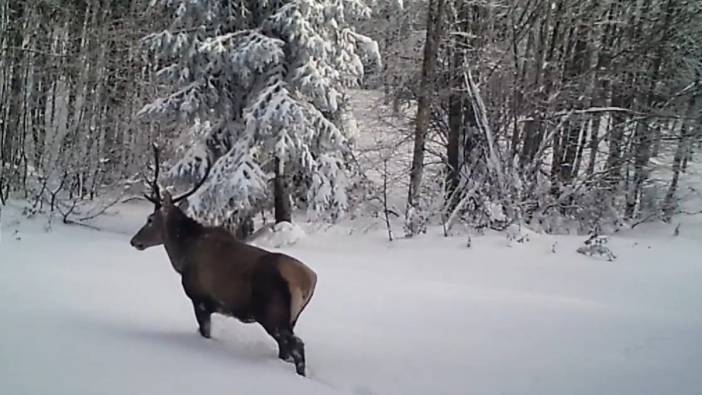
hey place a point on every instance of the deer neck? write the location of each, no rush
(181, 233)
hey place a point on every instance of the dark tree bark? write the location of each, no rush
(10, 132)
(245, 228)
(281, 193)
(431, 48)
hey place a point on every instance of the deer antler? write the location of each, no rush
(155, 197)
(199, 184)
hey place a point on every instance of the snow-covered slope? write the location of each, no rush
(83, 313)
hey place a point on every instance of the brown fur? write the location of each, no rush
(227, 268)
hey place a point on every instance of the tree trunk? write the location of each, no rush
(601, 85)
(669, 203)
(454, 138)
(577, 63)
(10, 131)
(616, 138)
(544, 45)
(431, 48)
(245, 228)
(281, 193)
(456, 120)
(643, 139)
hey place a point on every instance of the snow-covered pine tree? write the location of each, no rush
(259, 85)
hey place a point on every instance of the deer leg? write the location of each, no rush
(280, 338)
(203, 315)
(272, 311)
(283, 345)
(290, 348)
(296, 348)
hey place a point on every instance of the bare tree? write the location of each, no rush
(434, 30)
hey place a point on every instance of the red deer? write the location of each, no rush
(223, 275)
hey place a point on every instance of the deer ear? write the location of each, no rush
(167, 199)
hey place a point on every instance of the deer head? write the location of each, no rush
(153, 232)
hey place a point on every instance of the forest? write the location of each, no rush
(529, 112)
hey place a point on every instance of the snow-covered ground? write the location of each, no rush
(84, 313)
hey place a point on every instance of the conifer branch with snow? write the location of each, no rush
(257, 90)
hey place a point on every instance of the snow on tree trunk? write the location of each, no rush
(481, 120)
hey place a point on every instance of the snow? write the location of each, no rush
(277, 235)
(83, 312)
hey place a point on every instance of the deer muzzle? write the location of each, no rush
(136, 244)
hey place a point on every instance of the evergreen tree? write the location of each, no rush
(260, 86)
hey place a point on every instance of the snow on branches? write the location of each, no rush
(261, 81)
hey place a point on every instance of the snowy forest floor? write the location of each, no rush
(84, 313)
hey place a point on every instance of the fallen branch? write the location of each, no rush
(660, 215)
(72, 222)
(101, 211)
